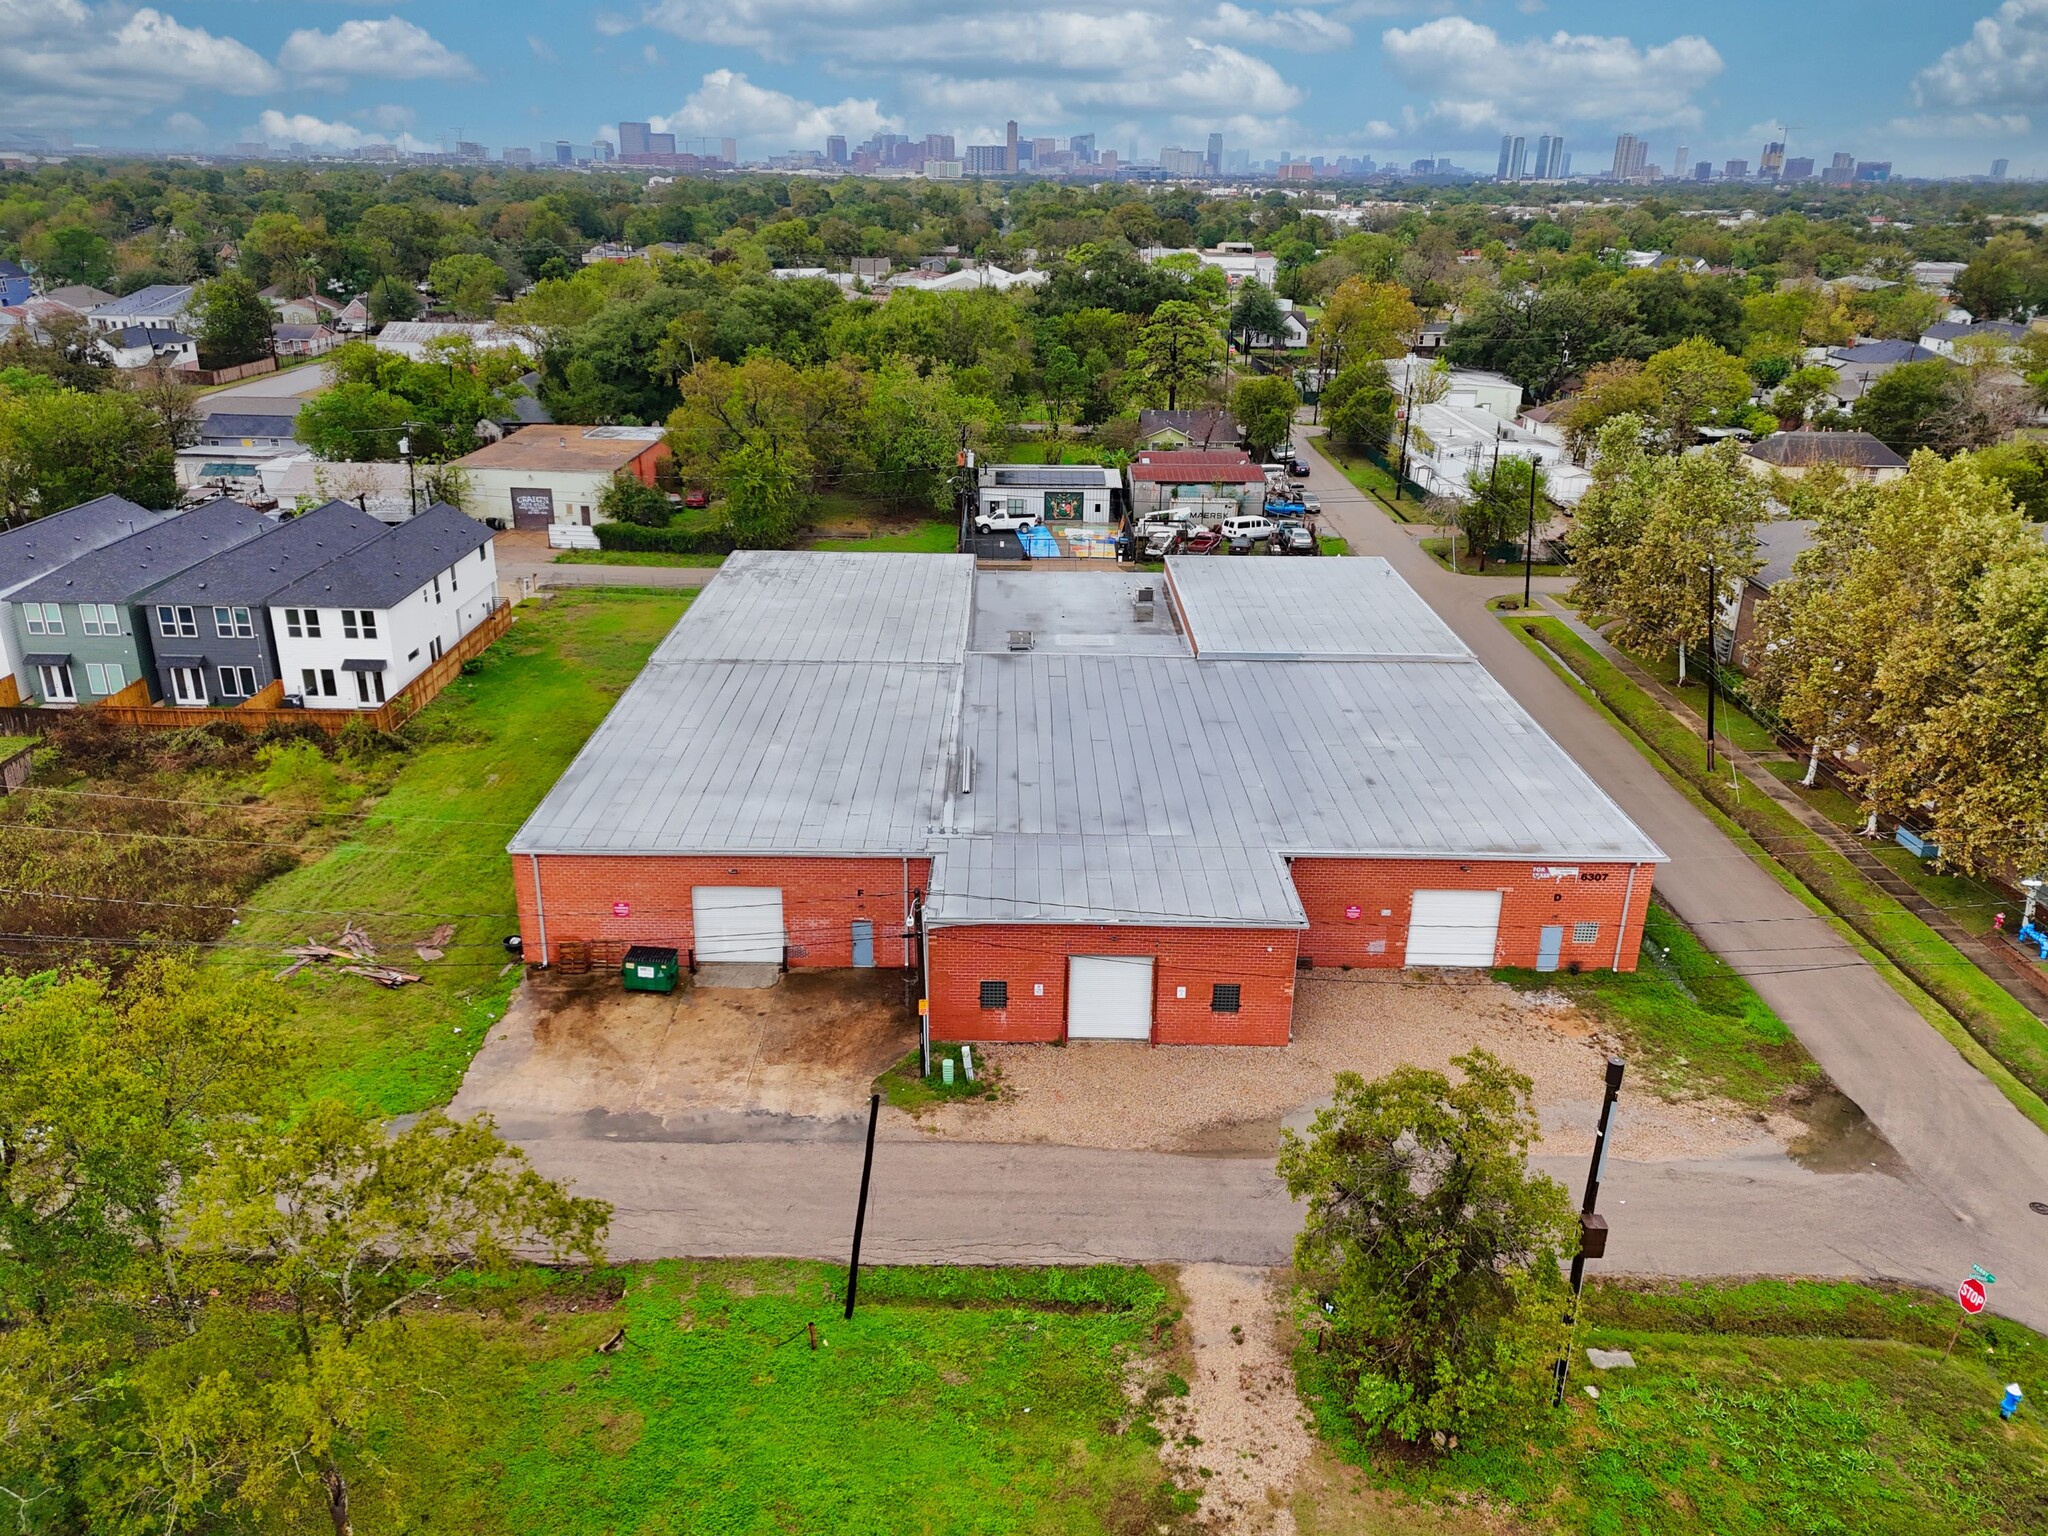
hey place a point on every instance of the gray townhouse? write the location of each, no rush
(31, 552)
(210, 624)
(79, 628)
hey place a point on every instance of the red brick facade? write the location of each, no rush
(1260, 962)
(1380, 890)
(821, 898)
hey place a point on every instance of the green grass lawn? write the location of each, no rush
(1056, 453)
(1731, 721)
(432, 850)
(905, 1088)
(971, 1401)
(634, 557)
(1763, 1408)
(1693, 1022)
(1958, 991)
(1439, 550)
(9, 745)
(934, 537)
(1330, 544)
(1376, 481)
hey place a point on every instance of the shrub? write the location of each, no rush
(670, 540)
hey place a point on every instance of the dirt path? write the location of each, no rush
(1241, 1422)
(1233, 1100)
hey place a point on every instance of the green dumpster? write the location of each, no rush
(650, 968)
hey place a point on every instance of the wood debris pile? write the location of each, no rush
(355, 947)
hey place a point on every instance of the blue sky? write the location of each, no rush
(1933, 89)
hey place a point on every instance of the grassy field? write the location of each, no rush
(1757, 1409)
(1330, 544)
(971, 1401)
(1375, 481)
(1439, 550)
(1056, 453)
(2012, 1045)
(934, 537)
(433, 850)
(1694, 1021)
(635, 557)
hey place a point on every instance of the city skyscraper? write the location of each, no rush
(1999, 168)
(1507, 152)
(632, 138)
(1678, 164)
(1735, 170)
(1630, 155)
(565, 153)
(1082, 147)
(1772, 165)
(1549, 162)
(1215, 154)
(1798, 168)
(1010, 146)
(835, 148)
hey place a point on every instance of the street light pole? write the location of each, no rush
(1708, 662)
(1529, 544)
(1592, 1228)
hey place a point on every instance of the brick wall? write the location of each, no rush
(1030, 958)
(820, 900)
(1381, 888)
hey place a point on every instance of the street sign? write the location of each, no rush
(1353, 913)
(622, 909)
(1971, 1295)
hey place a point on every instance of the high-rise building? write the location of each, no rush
(1999, 168)
(512, 156)
(1772, 166)
(1704, 171)
(987, 159)
(565, 153)
(729, 151)
(1215, 154)
(1514, 158)
(1798, 168)
(469, 150)
(1873, 170)
(1840, 170)
(1082, 147)
(661, 143)
(939, 146)
(835, 148)
(1010, 145)
(1549, 162)
(1175, 161)
(1507, 156)
(1735, 170)
(632, 138)
(1679, 162)
(1630, 155)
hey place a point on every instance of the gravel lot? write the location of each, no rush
(1232, 1100)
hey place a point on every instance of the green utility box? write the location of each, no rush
(650, 968)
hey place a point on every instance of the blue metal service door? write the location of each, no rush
(1549, 945)
(864, 945)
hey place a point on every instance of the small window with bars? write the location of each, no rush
(1226, 997)
(995, 994)
(1585, 933)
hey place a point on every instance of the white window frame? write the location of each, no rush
(176, 621)
(43, 618)
(311, 679)
(238, 682)
(369, 687)
(185, 683)
(233, 623)
(96, 677)
(48, 673)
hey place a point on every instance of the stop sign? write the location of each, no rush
(1971, 1295)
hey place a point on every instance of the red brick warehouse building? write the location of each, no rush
(1093, 805)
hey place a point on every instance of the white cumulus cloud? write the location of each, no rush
(2003, 63)
(71, 64)
(391, 49)
(1477, 79)
(729, 105)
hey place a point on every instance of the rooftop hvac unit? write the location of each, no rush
(1020, 640)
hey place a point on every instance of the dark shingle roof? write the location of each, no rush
(118, 572)
(157, 299)
(1210, 428)
(56, 540)
(391, 568)
(148, 335)
(237, 424)
(1952, 330)
(1881, 352)
(1779, 544)
(250, 572)
(1809, 450)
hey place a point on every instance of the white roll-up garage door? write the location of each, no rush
(1109, 997)
(1453, 928)
(737, 924)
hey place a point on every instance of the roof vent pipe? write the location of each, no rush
(966, 771)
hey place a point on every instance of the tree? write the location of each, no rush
(346, 1224)
(1358, 408)
(2021, 466)
(1696, 384)
(59, 447)
(467, 284)
(912, 429)
(1801, 390)
(1934, 404)
(392, 299)
(1176, 352)
(71, 254)
(232, 321)
(67, 350)
(1542, 337)
(1264, 407)
(626, 498)
(1365, 320)
(435, 402)
(1611, 389)
(1062, 383)
(1430, 1253)
(1498, 510)
(1256, 313)
(764, 432)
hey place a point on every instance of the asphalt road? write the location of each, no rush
(1972, 1163)
(268, 392)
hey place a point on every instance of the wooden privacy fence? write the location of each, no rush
(265, 711)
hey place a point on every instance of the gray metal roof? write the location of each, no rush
(1065, 611)
(1282, 610)
(757, 757)
(1152, 881)
(774, 605)
(1395, 759)
(119, 571)
(223, 424)
(166, 299)
(1778, 544)
(42, 546)
(250, 573)
(384, 571)
(1050, 476)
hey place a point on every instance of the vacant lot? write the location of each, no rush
(432, 852)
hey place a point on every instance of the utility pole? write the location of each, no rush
(1529, 544)
(1708, 663)
(1407, 418)
(412, 483)
(1592, 1228)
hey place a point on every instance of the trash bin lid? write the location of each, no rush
(651, 954)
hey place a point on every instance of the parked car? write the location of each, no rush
(1003, 522)
(1242, 545)
(696, 499)
(1294, 539)
(1257, 529)
(1204, 541)
(1311, 503)
(1297, 466)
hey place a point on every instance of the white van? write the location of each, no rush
(1257, 529)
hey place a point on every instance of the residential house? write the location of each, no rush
(412, 338)
(1953, 338)
(301, 309)
(33, 551)
(353, 318)
(1857, 367)
(1208, 428)
(384, 489)
(1236, 260)
(160, 304)
(231, 446)
(78, 627)
(1294, 333)
(1431, 341)
(79, 298)
(1778, 544)
(1164, 479)
(1795, 454)
(289, 340)
(358, 630)
(210, 625)
(544, 475)
(39, 317)
(149, 346)
(14, 284)
(1052, 493)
